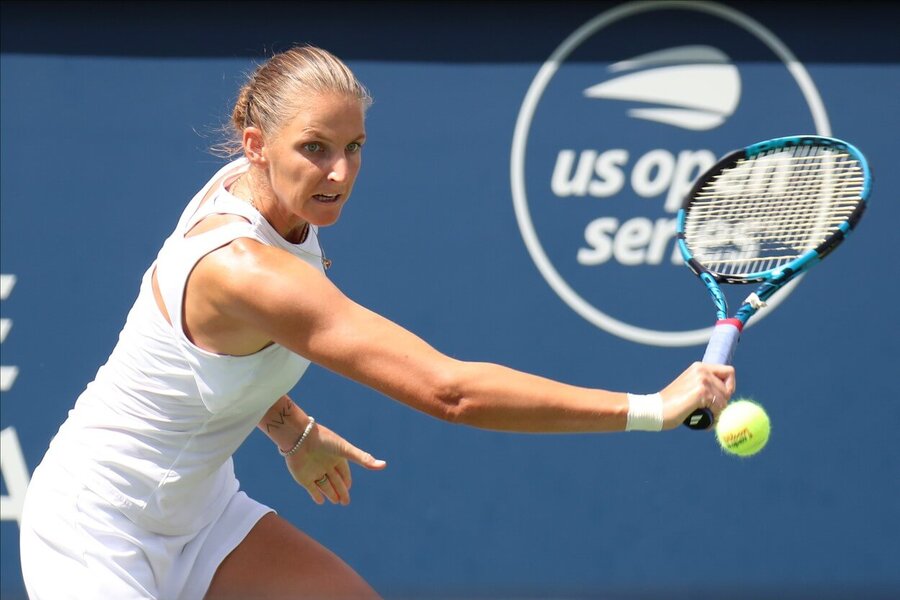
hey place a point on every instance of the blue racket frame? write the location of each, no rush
(727, 331)
(771, 280)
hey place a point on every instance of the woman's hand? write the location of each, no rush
(322, 465)
(702, 385)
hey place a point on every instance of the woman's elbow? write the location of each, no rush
(453, 398)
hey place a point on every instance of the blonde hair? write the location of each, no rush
(271, 95)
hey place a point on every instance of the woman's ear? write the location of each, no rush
(254, 145)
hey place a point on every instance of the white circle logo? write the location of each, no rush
(610, 135)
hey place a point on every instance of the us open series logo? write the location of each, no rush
(618, 122)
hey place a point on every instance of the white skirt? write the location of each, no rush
(76, 545)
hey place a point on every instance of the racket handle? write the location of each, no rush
(719, 351)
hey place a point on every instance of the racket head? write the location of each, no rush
(770, 211)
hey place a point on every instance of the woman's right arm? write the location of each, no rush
(296, 306)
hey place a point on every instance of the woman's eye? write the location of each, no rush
(312, 147)
(354, 147)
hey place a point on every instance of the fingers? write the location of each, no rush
(363, 459)
(717, 379)
(333, 487)
(719, 385)
(323, 468)
(336, 487)
(343, 468)
(702, 385)
(731, 383)
(340, 488)
(725, 374)
(330, 486)
(315, 493)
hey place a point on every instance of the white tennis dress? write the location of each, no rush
(137, 496)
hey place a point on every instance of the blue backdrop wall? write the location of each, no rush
(503, 214)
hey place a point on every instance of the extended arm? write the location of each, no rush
(293, 304)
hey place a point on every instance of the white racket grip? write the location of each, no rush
(721, 346)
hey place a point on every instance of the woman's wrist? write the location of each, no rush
(645, 412)
(306, 431)
(284, 423)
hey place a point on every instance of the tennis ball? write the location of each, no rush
(743, 428)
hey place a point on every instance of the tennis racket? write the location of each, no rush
(765, 214)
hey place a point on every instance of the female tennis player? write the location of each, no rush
(136, 496)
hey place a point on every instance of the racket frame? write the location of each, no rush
(727, 331)
(774, 279)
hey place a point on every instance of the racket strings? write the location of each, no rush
(766, 211)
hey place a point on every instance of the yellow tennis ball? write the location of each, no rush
(743, 428)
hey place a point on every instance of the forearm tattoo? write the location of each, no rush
(281, 417)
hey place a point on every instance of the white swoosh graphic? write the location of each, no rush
(686, 119)
(697, 96)
(681, 55)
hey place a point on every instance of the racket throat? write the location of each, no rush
(755, 302)
(715, 292)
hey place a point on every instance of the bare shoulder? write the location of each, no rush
(240, 295)
(248, 257)
(248, 273)
(245, 261)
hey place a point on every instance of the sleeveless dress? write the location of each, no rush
(149, 442)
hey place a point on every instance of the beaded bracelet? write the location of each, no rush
(303, 436)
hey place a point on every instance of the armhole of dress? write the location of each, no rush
(212, 187)
(158, 299)
(172, 274)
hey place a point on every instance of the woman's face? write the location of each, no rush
(312, 162)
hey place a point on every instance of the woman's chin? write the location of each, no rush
(324, 218)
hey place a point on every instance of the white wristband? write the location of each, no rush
(645, 413)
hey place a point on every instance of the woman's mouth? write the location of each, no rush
(326, 198)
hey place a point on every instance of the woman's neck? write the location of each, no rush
(247, 188)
